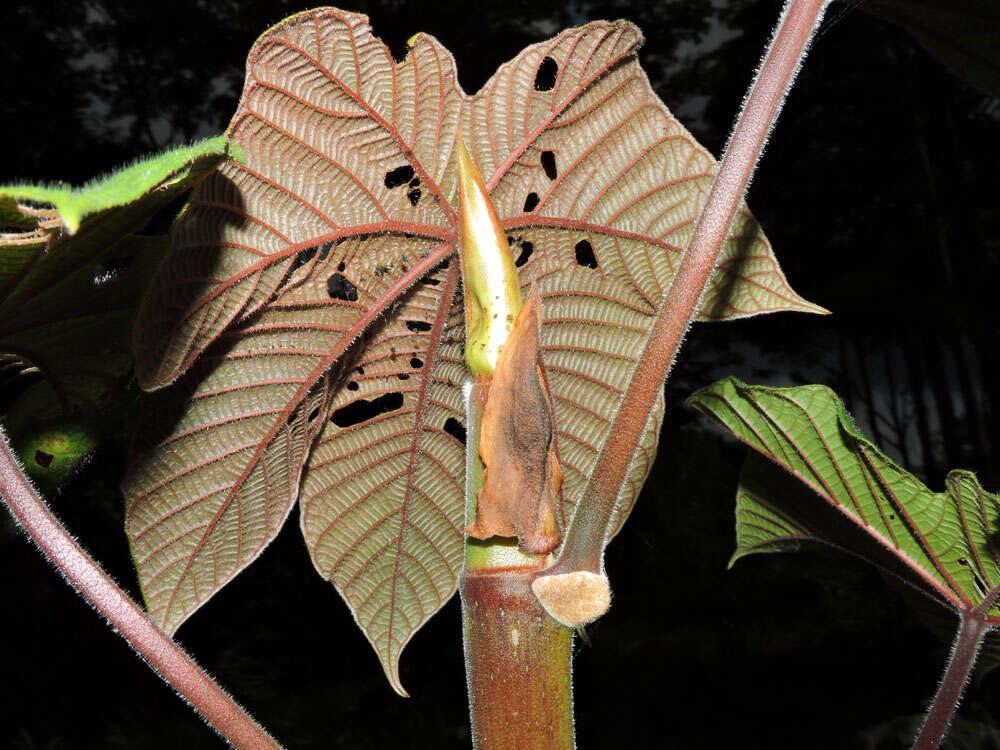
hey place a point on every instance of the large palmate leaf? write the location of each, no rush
(71, 276)
(943, 543)
(309, 314)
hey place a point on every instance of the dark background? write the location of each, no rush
(879, 192)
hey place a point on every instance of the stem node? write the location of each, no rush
(574, 599)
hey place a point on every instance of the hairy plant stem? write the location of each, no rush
(972, 629)
(584, 545)
(517, 662)
(158, 650)
(517, 658)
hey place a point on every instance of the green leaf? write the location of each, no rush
(51, 450)
(77, 329)
(849, 494)
(127, 185)
(39, 252)
(71, 277)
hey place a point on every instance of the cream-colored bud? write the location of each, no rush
(489, 277)
(575, 598)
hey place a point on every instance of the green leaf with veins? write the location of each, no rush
(34, 249)
(815, 478)
(68, 300)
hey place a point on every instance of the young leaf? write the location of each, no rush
(942, 543)
(330, 247)
(489, 277)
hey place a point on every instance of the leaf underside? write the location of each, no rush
(310, 321)
(943, 543)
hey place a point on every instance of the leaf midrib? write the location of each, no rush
(956, 600)
(410, 277)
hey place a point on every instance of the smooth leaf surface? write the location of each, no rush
(815, 478)
(309, 312)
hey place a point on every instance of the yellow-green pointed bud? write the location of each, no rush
(492, 291)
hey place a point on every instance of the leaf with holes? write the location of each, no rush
(51, 450)
(815, 478)
(308, 319)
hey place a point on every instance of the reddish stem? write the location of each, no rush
(87, 577)
(972, 629)
(517, 664)
(584, 545)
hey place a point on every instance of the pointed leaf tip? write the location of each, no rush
(492, 289)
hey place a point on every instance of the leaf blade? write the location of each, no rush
(940, 542)
(125, 186)
(283, 357)
(68, 300)
(314, 102)
(351, 489)
(333, 128)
